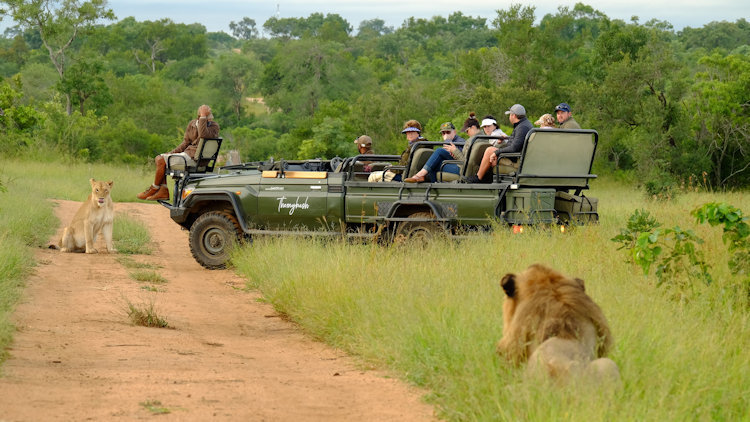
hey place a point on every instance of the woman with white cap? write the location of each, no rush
(490, 127)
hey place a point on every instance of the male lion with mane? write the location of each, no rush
(94, 216)
(550, 321)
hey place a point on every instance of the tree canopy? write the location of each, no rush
(669, 106)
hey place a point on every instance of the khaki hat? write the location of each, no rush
(363, 141)
(447, 126)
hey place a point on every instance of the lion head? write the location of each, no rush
(547, 311)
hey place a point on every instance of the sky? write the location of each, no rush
(215, 15)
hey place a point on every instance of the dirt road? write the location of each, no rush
(76, 356)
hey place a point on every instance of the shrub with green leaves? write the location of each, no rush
(736, 232)
(639, 222)
(674, 253)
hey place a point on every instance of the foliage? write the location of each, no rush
(736, 232)
(668, 105)
(674, 253)
(639, 222)
(58, 24)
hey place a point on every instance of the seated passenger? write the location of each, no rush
(364, 146)
(521, 126)
(489, 125)
(565, 117)
(432, 166)
(413, 131)
(546, 122)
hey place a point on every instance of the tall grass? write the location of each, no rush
(433, 315)
(27, 219)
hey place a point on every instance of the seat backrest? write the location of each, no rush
(206, 154)
(474, 157)
(565, 157)
(418, 159)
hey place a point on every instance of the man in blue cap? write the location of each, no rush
(565, 117)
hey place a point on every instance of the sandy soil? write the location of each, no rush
(76, 356)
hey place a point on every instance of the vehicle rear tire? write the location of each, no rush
(212, 237)
(419, 230)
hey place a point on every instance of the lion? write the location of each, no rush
(94, 216)
(550, 322)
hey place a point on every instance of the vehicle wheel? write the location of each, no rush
(419, 230)
(212, 237)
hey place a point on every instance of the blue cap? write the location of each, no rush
(411, 129)
(563, 107)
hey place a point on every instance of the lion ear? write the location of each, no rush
(580, 283)
(508, 282)
(110, 183)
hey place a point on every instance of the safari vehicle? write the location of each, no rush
(334, 198)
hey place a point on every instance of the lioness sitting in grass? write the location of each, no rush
(550, 321)
(94, 215)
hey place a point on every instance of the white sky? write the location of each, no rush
(215, 15)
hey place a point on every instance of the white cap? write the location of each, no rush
(487, 122)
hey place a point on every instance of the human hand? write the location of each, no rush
(493, 160)
(450, 147)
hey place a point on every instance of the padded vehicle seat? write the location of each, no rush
(418, 160)
(206, 153)
(471, 162)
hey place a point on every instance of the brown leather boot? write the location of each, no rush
(148, 192)
(162, 193)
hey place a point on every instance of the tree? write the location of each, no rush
(59, 23)
(721, 107)
(232, 77)
(84, 80)
(373, 28)
(244, 29)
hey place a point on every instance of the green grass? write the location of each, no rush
(433, 315)
(131, 236)
(149, 276)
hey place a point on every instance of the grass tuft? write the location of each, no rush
(145, 315)
(147, 276)
(155, 407)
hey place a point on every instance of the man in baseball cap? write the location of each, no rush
(565, 118)
(364, 143)
(521, 126)
(364, 146)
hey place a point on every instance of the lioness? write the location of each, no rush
(94, 215)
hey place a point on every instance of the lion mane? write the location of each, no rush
(550, 322)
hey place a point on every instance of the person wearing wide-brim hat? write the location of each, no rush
(413, 131)
(428, 173)
(565, 117)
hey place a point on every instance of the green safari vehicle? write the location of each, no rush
(220, 206)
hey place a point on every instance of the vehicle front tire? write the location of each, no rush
(212, 237)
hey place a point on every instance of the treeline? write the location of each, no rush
(668, 105)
